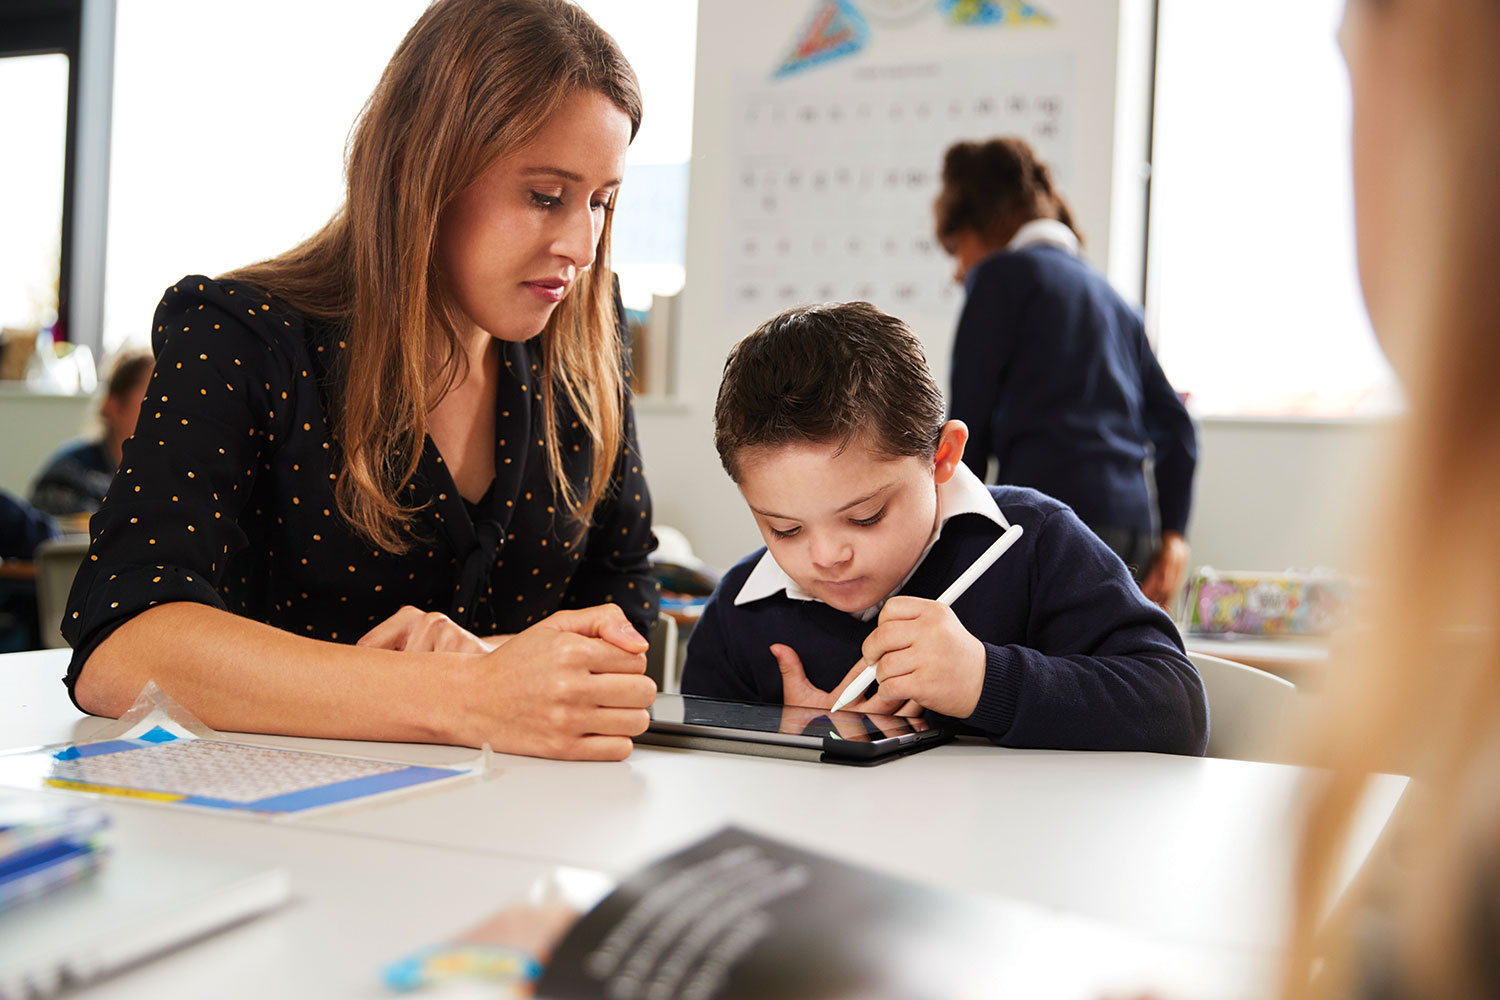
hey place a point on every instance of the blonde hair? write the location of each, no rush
(472, 81)
(1420, 692)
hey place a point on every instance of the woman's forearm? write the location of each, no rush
(244, 676)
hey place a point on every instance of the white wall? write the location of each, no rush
(1283, 494)
(32, 426)
(1269, 494)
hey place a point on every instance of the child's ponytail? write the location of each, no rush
(1042, 177)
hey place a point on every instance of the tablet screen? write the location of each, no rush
(782, 721)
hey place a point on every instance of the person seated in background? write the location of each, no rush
(22, 529)
(831, 425)
(74, 480)
(1051, 367)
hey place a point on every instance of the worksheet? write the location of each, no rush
(162, 766)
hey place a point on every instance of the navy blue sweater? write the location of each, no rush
(1076, 658)
(74, 480)
(1055, 378)
(22, 528)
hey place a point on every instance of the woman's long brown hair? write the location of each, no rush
(472, 81)
(1419, 693)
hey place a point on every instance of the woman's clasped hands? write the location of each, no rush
(573, 686)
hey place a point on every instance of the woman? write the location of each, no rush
(411, 430)
(1051, 368)
(1422, 692)
(75, 479)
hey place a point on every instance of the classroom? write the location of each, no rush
(1214, 784)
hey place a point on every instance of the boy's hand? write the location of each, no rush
(924, 654)
(796, 689)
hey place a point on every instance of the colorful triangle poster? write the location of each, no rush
(1006, 12)
(836, 28)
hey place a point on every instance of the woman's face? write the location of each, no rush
(120, 413)
(967, 248)
(512, 244)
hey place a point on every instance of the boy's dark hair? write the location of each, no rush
(827, 373)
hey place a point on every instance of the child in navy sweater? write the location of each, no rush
(830, 423)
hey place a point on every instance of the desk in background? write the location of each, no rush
(1188, 850)
(1300, 659)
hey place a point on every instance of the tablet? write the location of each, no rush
(683, 720)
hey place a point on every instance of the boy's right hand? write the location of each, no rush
(926, 654)
(570, 687)
(796, 689)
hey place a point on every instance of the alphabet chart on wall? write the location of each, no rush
(832, 176)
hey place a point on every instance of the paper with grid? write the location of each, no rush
(214, 774)
(234, 772)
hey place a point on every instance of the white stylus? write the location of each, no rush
(954, 592)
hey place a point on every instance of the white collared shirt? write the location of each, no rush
(1045, 232)
(963, 493)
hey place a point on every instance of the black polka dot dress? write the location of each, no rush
(225, 496)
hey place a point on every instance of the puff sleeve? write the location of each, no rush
(169, 524)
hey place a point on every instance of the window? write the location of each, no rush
(651, 230)
(1253, 292)
(228, 153)
(33, 130)
(39, 45)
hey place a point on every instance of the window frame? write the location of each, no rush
(48, 27)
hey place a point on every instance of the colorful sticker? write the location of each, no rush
(836, 29)
(500, 965)
(1265, 604)
(1011, 13)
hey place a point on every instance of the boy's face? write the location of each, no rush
(847, 527)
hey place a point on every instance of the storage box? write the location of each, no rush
(1259, 603)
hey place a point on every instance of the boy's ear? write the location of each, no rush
(950, 450)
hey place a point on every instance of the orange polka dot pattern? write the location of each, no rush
(225, 496)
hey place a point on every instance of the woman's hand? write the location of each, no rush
(1168, 570)
(925, 655)
(412, 630)
(571, 687)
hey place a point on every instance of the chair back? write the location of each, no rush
(661, 659)
(57, 561)
(1252, 713)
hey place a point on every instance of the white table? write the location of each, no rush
(1189, 850)
(356, 905)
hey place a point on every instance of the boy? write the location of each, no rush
(832, 427)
